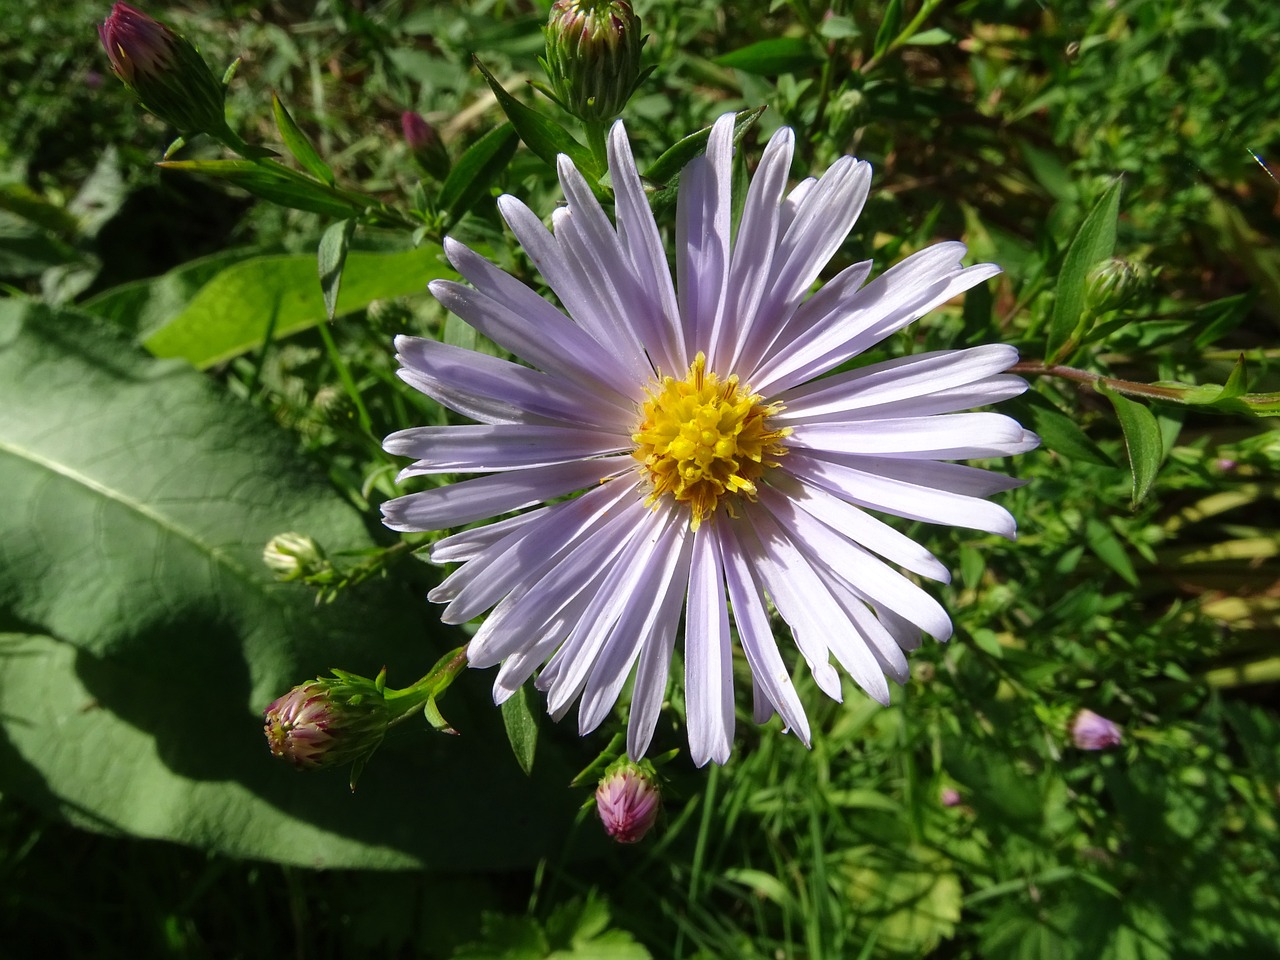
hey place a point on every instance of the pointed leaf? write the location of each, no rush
(542, 135)
(889, 27)
(1093, 242)
(477, 169)
(668, 166)
(768, 58)
(297, 143)
(1141, 439)
(269, 180)
(331, 257)
(522, 727)
(1058, 430)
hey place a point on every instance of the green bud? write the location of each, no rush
(1115, 283)
(593, 56)
(291, 556)
(329, 721)
(164, 71)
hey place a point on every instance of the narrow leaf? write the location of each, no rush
(542, 135)
(522, 728)
(1141, 439)
(889, 27)
(475, 171)
(1107, 547)
(1059, 431)
(269, 180)
(669, 165)
(297, 143)
(331, 257)
(1093, 242)
(768, 58)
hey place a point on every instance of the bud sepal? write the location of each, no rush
(342, 719)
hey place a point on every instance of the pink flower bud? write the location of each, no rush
(628, 799)
(164, 71)
(950, 797)
(1090, 731)
(328, 721)
(136, 44)
(427, 147)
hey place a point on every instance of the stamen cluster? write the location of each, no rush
(702, 439)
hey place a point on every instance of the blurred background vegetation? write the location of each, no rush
(1000, 122)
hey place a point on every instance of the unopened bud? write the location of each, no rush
(628, 799)
(1091, 731)
(424, 142)
(593, 56)
(949, 797)
(328, 721)
(164, 71)
(1115, 283)
(291, 556)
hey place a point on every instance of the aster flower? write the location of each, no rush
(718, 466)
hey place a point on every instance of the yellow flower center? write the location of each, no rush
(703, 439)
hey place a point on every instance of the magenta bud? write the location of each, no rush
(424, 142)
(1091, 731)
(328, 721)
(164, 71)
(628, 799)
(949, 797)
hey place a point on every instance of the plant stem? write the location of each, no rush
(1127, 387)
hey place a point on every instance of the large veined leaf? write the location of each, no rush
(143, 636)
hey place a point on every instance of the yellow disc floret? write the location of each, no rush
(702, 439)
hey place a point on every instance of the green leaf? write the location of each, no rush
(1108, 548)
(269, 180)
(668, 166)
(1141, 440)
(889, 27)
(1093, 242)
(522, 728)
(143, 634)
(1059, 431)
(141, 307)
(931, 38)
(330, 257)
(297, 143)
(471, 177)
(233, 312)
(768, 58)
(542, 135)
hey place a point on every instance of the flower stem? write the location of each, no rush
(1128, 387)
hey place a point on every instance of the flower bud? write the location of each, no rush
(1090, 731)
(593, 56)
(424, 142)
(164, 71)
(949, 797)
(1115, 283)
(328, 721)
(291, 556)
(628, 799)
